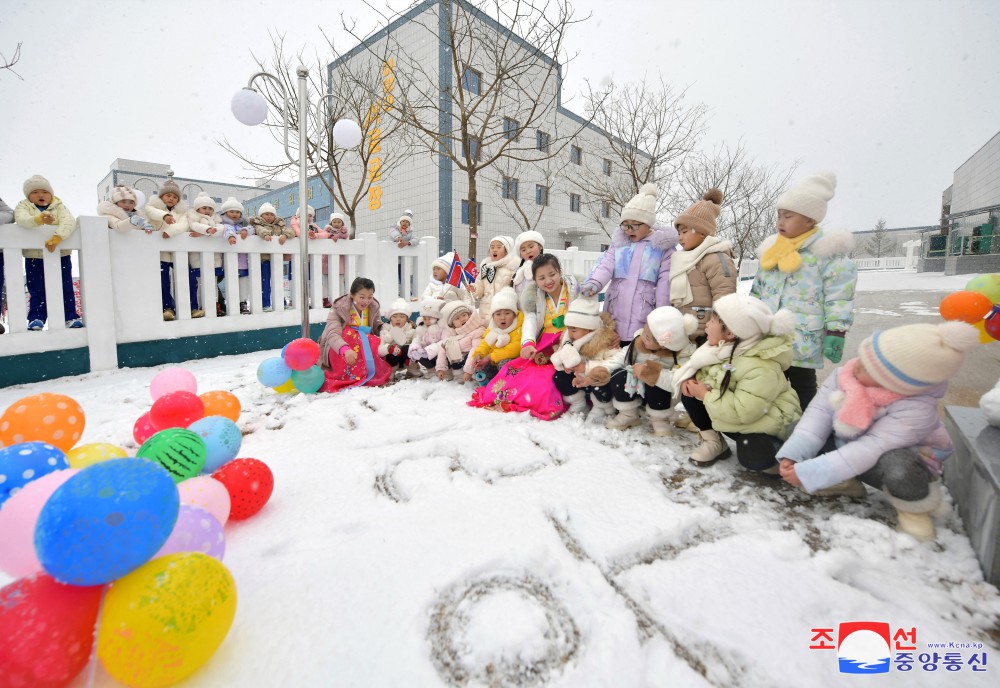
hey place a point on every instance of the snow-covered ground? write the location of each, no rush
(413, 541)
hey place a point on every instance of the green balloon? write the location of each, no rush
(308, 381)
(987, 285)
(182, 452)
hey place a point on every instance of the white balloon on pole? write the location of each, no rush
(249, 107)
(347, 133)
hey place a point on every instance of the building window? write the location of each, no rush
(277, 203)
(575, 155)
(542, 141)
(607, 167)
(309, 193)
(471, 80)
(291, 198)
(509, 188)
(510, 128)
(606, 209)
(217, 199)
(574, 203)
(465, 213)
(567, 244)
(605, 247)
(470, 148)
(541, 195)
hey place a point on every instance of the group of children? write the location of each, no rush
(673, 328)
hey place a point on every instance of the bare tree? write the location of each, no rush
(518, 197)
(8, 63)
(359, 90)
(879, 243)
(750, 190)
(502, 91)
(649, 131)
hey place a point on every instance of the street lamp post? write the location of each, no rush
(250, 108)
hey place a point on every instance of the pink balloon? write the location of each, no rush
(172, 380)
(208, 493)
(17, 523)
(143, 429)
(195, 530)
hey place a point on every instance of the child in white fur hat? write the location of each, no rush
(583, 359)
(464, 329)
(168, 215)
(429, 331)
(735, 383)
(496, 272)
(502, 340)
(808, 270)
(269, 226)
(439, 287)
(875, 421)
(203, 221)
(643, 371)
(234, 225)
(527, 246)
(397, 335)
(402, 233)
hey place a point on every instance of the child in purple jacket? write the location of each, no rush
(875, 421)
(637, 265)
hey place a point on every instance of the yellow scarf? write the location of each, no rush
(784, 253)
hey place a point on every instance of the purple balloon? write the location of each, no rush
(196, 530)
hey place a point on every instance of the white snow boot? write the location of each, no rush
(628, 415)
(914, 517)
(712, 448)
(601, 412)
(852, 487)
(576, 403)
(660, 420)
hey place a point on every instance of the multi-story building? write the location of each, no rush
(434, 188)
(148, 176)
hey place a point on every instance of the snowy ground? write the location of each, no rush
(413, 541)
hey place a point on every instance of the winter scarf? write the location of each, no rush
(683, 262)
(498, 338)
(784, 253)
(707, 355)
(855, 404)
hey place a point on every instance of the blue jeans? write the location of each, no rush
(166, 297)
(35, 277)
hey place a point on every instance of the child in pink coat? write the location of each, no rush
(337, 230)
(464, 329)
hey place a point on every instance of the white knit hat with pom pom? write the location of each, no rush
(670, 328)
(748, 317)
(642, 207)
(911, 359)
(809, 196)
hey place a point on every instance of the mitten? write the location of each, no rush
(833, 346)
(433, 350)
(599, 376)
(137, 220)
(590, 288)
(650, 373)
(53, 242)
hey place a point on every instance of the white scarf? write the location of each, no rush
(498, 338)
(707, 355)
(568, 353)
(683, 262)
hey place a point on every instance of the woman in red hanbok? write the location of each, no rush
(349, 344)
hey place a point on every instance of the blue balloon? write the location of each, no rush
(105, 521)
(283, 350)
(27, 461)
(222, 440)
(273, 372)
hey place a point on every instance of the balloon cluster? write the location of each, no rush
(296, 370)
(139, 540)
(978, 304)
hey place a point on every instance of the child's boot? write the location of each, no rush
(711, 449)
(628, 415)
(660, 420)
(413, 369)
(852, 487)
(601, 412)
(915, 516)
(449, 375)
(576, 403)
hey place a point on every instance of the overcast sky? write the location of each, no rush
(892, 95)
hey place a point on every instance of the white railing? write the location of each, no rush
(576, 262)
(120, 285)
(892, 263)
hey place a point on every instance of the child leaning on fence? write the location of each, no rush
(43, 209)
(168, 215)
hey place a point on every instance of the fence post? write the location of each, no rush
(371, 265)
(97, 294)
(428, 253)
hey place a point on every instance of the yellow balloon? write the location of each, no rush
(286, 388)
(89, 454)
(164, 620)
(984, 337)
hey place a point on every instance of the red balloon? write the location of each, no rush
(249, 482)
(46, 631)
(992, 325)
(301, 354)
(176, 410)
(143, 429)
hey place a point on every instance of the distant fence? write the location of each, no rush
(748, 268)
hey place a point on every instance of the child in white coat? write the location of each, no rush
(439, 287)
(495, 273)
(168, 215)
(583, 360)
(464, 329)
(397, 336)
(428, 332)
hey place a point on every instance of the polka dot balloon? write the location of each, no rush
(23, 463)
(53, 418)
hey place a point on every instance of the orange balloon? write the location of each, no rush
(53, 418)
(967, 306)
(221, 403)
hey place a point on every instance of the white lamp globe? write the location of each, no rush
(347, 133)
(140, 199)
(249, 107)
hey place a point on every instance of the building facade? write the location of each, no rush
(148, 176)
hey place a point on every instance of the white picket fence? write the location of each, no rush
(120, 285)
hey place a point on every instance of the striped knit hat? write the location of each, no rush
(911, 359)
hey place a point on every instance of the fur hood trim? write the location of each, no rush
(180, 209)
(109, 208)
(662, 237)
(511, 262)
